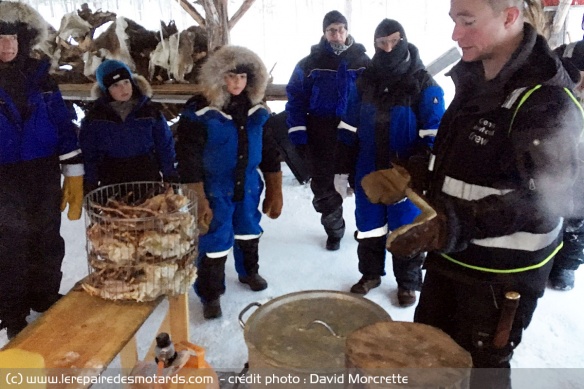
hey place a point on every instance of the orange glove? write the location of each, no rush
(386, 186)
(73, 196)
(273, 201)
(204, 211)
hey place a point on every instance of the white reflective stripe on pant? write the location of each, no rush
(375, 233)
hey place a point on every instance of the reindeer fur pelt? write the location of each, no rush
(222, 61)
(140, 82)
(15, 11)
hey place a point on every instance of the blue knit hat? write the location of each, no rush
(110, 72)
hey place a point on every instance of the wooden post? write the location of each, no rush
(559, 24)
(129, 354)
(178, 310)
(425, 355)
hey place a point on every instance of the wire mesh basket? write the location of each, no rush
(142, 240)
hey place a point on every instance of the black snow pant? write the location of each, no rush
(210, 282)
(31, 247)
(467, 306)
(407, 271)
(246, 255)
(322, 149)
(571, 256)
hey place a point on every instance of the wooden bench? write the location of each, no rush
(87, 332)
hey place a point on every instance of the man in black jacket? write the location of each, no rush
(502, 179)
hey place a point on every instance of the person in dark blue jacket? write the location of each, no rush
(124, 136)
(317, 98)
(571, 256)
(221, 143)
(392, 117)
(37, 135)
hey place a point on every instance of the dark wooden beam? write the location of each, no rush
(166, 93)
(442, 62)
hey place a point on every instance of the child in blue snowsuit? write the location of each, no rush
(221, 143)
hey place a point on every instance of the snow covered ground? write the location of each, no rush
(293, 258)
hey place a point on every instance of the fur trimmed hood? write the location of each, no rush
(139, 82)
(227, 58)
(26, 22)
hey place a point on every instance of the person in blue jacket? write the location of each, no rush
(571, 256)
(124, 136)
(317, 98)
(38, 143)
(221, 143)
(392, 117)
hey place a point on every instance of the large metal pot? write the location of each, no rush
(304, 332)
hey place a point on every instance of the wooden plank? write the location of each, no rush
(83, 331)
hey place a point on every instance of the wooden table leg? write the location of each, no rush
(178, 311)
(129, 354)
(175, 323)
(164, 327)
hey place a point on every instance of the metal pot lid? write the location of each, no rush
(308, 329)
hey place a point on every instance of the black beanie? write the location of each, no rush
(388, 27)
(334, 17)
(244, 68)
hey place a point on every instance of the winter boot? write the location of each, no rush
(210, 284)
(14, 329)
(371, 253)
(13, 326)
(365, 284)
(333, 243)
(405, 297)
(334, 225)
(408, 274)
(246, 257)
(562, 279)
(212, 309)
